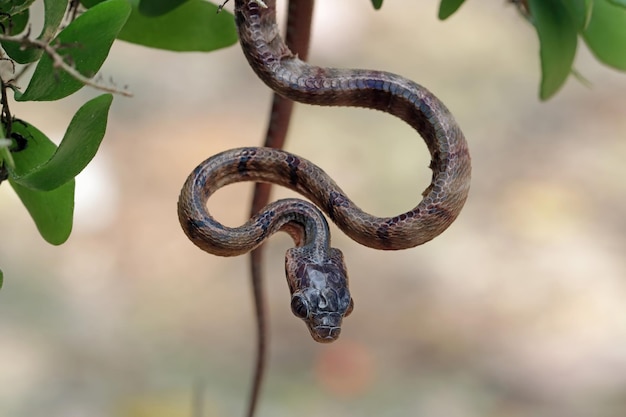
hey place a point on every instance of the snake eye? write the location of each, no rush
(349, 309)
(299, 307)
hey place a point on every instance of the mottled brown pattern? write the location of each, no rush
(319, 293)
(316, 273)
(391, 93)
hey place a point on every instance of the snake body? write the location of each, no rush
(315, 271)
(297, 37)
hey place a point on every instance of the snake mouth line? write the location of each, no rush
(325, 334)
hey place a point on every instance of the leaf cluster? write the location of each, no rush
(559, 25)
(66, 56)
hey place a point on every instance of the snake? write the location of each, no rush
(297, 38)
(316, 272)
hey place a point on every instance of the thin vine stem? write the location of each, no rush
(59, 62)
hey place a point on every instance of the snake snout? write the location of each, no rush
(326, 334)
(325, 327)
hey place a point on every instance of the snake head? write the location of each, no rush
(319, 292)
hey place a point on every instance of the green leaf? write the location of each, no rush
(12, 25)
(377, 4)
(621, 3)
(606, 33)
(37, 152)
(11, 7)
(85, 43)
(77, 149)
(1, 278)
(90, 3)
(194, 26)
(54, 10)
(158, 7)
(52, 211)
(448, 7)
(558, 39)
(580, 11)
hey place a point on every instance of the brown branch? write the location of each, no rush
(59, 62)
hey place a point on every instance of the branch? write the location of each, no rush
(59, 62)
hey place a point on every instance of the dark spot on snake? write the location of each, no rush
(382, 233)
(440, 212)
(293, 164)
(266, 219)
(301, 271)
(192, 226)
(335, 199)
(246, 156)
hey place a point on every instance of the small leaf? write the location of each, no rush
(1, 278)
(77, 149)
(54, 10)
(85, 42)
(558, 39)
(606, 33)
(16, 23)
(37, 152)
(377, 4)
(448, 7)
(90, 3)
(580, 11)
(52, 211)
(11, 7)
(158, 7)
(194, 26)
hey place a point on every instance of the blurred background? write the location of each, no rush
(519, 309)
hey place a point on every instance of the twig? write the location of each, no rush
(59, 62)
(5, 115)
(259, 2)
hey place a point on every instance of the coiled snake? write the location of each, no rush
(315, 272)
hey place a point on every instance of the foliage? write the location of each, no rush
(377, 4)
(76, 38)
(559, 23)
(67, 57)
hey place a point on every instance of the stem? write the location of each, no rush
(5, 120)
(59, 62)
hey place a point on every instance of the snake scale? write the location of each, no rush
(315, 271)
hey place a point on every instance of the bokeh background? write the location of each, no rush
(519, 309)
